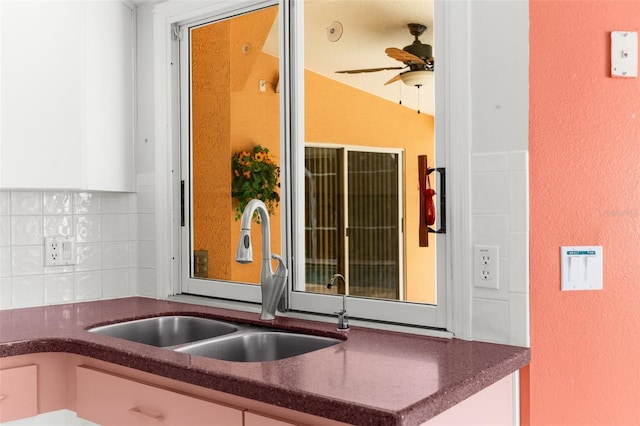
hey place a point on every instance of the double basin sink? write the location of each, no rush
(216, 339)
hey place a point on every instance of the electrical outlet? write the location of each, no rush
(485, 267)
(59, 251)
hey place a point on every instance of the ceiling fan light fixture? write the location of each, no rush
(417, 78)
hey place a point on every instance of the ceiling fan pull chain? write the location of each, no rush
(400, 94)
(418, 86)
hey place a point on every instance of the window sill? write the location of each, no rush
(252, 307)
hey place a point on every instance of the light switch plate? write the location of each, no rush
(59, 251)
(581, 268)
(624, 54)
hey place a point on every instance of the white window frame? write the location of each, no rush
(453, 127)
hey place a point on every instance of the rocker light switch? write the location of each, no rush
(581, 268)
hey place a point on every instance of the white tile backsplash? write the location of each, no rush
(147, 254)
(4, 203)
(492, 230)
(58, 226)
(58, 288)
(147, 282)
(146, 227)
(27, 291)
(115, 283)
(519, 319)
(88, 285)
(115, 255)
(26, 203)
(114, 203)
(5, 261)
(5, 293)
(519, 262)
(490, 320)
(26, 260)
(88, 257)
(5, 231)
(500, 217)
(88, 228)
(26, 230)
(87, 203)
(115, 227)
(57, 203)
(518, 202)
(106, 246)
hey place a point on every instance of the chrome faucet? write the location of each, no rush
(271, 284)
(343, 318)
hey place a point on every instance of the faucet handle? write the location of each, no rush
(281, 270)
(343, 320)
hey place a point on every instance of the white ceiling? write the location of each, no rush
(369, 27)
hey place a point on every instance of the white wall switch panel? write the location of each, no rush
(485, 267)
(624, 54)
(59, 251)
(581, 268)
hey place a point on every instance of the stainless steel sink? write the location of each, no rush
(256, 346)
(216, 339)
(167, 331)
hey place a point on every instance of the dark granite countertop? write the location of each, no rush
(373, 378)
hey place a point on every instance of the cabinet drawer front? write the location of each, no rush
(18, 393)
(113, 400)
(255, 419)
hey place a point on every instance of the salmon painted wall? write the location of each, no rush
(584, 190)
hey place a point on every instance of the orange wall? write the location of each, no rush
(336, 113)
(584, 190)
(211, 135)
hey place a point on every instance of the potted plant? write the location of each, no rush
(255, 175)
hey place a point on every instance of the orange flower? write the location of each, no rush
(259, 156)
(236, 173)
(247, 174)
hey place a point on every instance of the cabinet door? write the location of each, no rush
(18, 393)
(41, 98)
(67, 95)
(112, 400)
(110, 98)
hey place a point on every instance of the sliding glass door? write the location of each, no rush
(353, 221)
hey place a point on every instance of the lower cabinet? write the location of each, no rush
(112, 400)
(18, 392)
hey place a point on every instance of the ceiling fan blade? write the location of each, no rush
(402, 56)
(368, 70)
(394, 79)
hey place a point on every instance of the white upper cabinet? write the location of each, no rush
(67, 95)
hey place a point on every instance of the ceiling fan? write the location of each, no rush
(417, 56)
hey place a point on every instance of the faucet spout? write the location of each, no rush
(343, 318)
(272, 284)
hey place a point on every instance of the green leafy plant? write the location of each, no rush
(254, 175)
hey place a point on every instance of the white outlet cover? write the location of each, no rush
(59, 251)
(485, 262)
